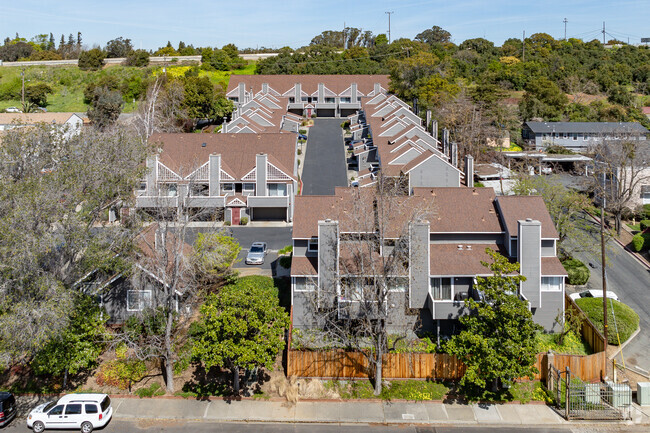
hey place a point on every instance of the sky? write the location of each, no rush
(277, 23)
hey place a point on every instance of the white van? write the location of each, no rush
(72, 411)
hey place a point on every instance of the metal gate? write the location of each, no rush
(594, 401)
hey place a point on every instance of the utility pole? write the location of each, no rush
(565, 21)
(523, 47)
(22, 89)
(603, 32)
(603, 259)
(389, 14)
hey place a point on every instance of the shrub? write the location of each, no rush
(299, 151)
(243, 221)
(637, 242)
(226, 223)
(646, 211)
(303, 131)
(139, 58)
(91, 59)
(286, 249)
(627, 321)
(578, 272)
(285, 261)
(151, 391)
(644, 224)
(121, 373)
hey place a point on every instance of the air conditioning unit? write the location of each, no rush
(592, 393)
(619, 394)
(643, 393)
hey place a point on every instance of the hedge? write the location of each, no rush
(637, 242)
(578, 272)
(627, 321)
(644, 224)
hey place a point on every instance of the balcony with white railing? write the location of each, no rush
(268, 201)
(156, 201)
(204, 201)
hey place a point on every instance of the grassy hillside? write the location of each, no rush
(68, 82)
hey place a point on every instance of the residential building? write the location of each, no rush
(124, 294)
(264, 113)
(70, 123)
(307, 95)
(229, 176)
(579, 136)
(446, 230)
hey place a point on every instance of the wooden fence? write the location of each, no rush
(339, 364)
(591, 335)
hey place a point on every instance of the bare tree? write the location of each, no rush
(361, 304)
(160, 110)
(620, 169)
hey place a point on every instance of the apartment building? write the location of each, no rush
(446, 231)
(579, 136)
(228, 176)
(307, 95)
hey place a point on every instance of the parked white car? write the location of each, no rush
(593, 294)
(13, 110)
(72, 411)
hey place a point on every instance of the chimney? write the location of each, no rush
(298, 92)
(321, 92)
(454, 154)
(353, 89)
(224, 128)
(260, 174)
(328, 260)
(469, 171)
(159, 241)
(529, 238)
(418, 263)
(242, 93)
(426, 126)
(152, 174)
(265, 88)
(214, 180)
(434, 129)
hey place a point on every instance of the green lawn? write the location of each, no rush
(418, 390)
(572, 345)
(623, 318)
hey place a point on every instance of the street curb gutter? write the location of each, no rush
(622, 346)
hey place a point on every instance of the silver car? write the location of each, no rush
(256, 253)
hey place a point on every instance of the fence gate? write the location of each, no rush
(594, 401)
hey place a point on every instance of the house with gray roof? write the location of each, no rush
(579, 136)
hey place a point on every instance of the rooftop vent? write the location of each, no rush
(204, 144)
(529, 219)
(468, 247)
(460, 248)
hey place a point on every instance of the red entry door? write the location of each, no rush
(236, 213)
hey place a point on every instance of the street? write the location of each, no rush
(631, 282)
(325, 165)
(173, 426)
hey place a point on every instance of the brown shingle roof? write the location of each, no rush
(553, 266)
(447, 259)
(309, 83)
(32, 118)
(304, 266)
(464, 210)
(514, 208)
(185, 151)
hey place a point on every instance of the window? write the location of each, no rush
(142, 188)
(227, 187)
(398, 284)
(73, 409)
(585, 137)
(574, 136)
(277, 189)
(249, 187)
(441, 289)
(169, 190)
(91, 408)
(330, 100)
(234, 98)
(346, 100)
(292, 100)
(106, 403)
(200, 190)
(312, 246)
(551, 284)
(304, 285)
(304, 99)
(645, 196)
(138, 300)
(57, 410)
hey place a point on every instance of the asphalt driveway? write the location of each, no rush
(325, 166)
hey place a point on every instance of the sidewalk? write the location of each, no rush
(346, 412)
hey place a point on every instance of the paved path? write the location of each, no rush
(325, 165)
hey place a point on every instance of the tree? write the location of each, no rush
(381, 39)
(139, 58)
(434, 35)
(242, 326)
(14, 51)
(92, 59)
(620, 170)
(544, 99)
(54, 190)
(105, 107)
(565, 206)
(36, 96)
(78, 346)
(161, 110)
(203, 101)
(497, 342)
(353, 306)
(215, 254)
(118, 47)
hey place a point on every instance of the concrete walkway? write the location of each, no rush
(345, 412)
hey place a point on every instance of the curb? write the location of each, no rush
(622, 346)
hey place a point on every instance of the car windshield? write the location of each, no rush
(586, 294)
(49, 406)
(256, 249)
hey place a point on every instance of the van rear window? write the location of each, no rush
(91, 408)
(106, 403)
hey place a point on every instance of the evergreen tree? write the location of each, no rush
(78, 39)
(70, 40)
(51, 46)
(62, 43)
